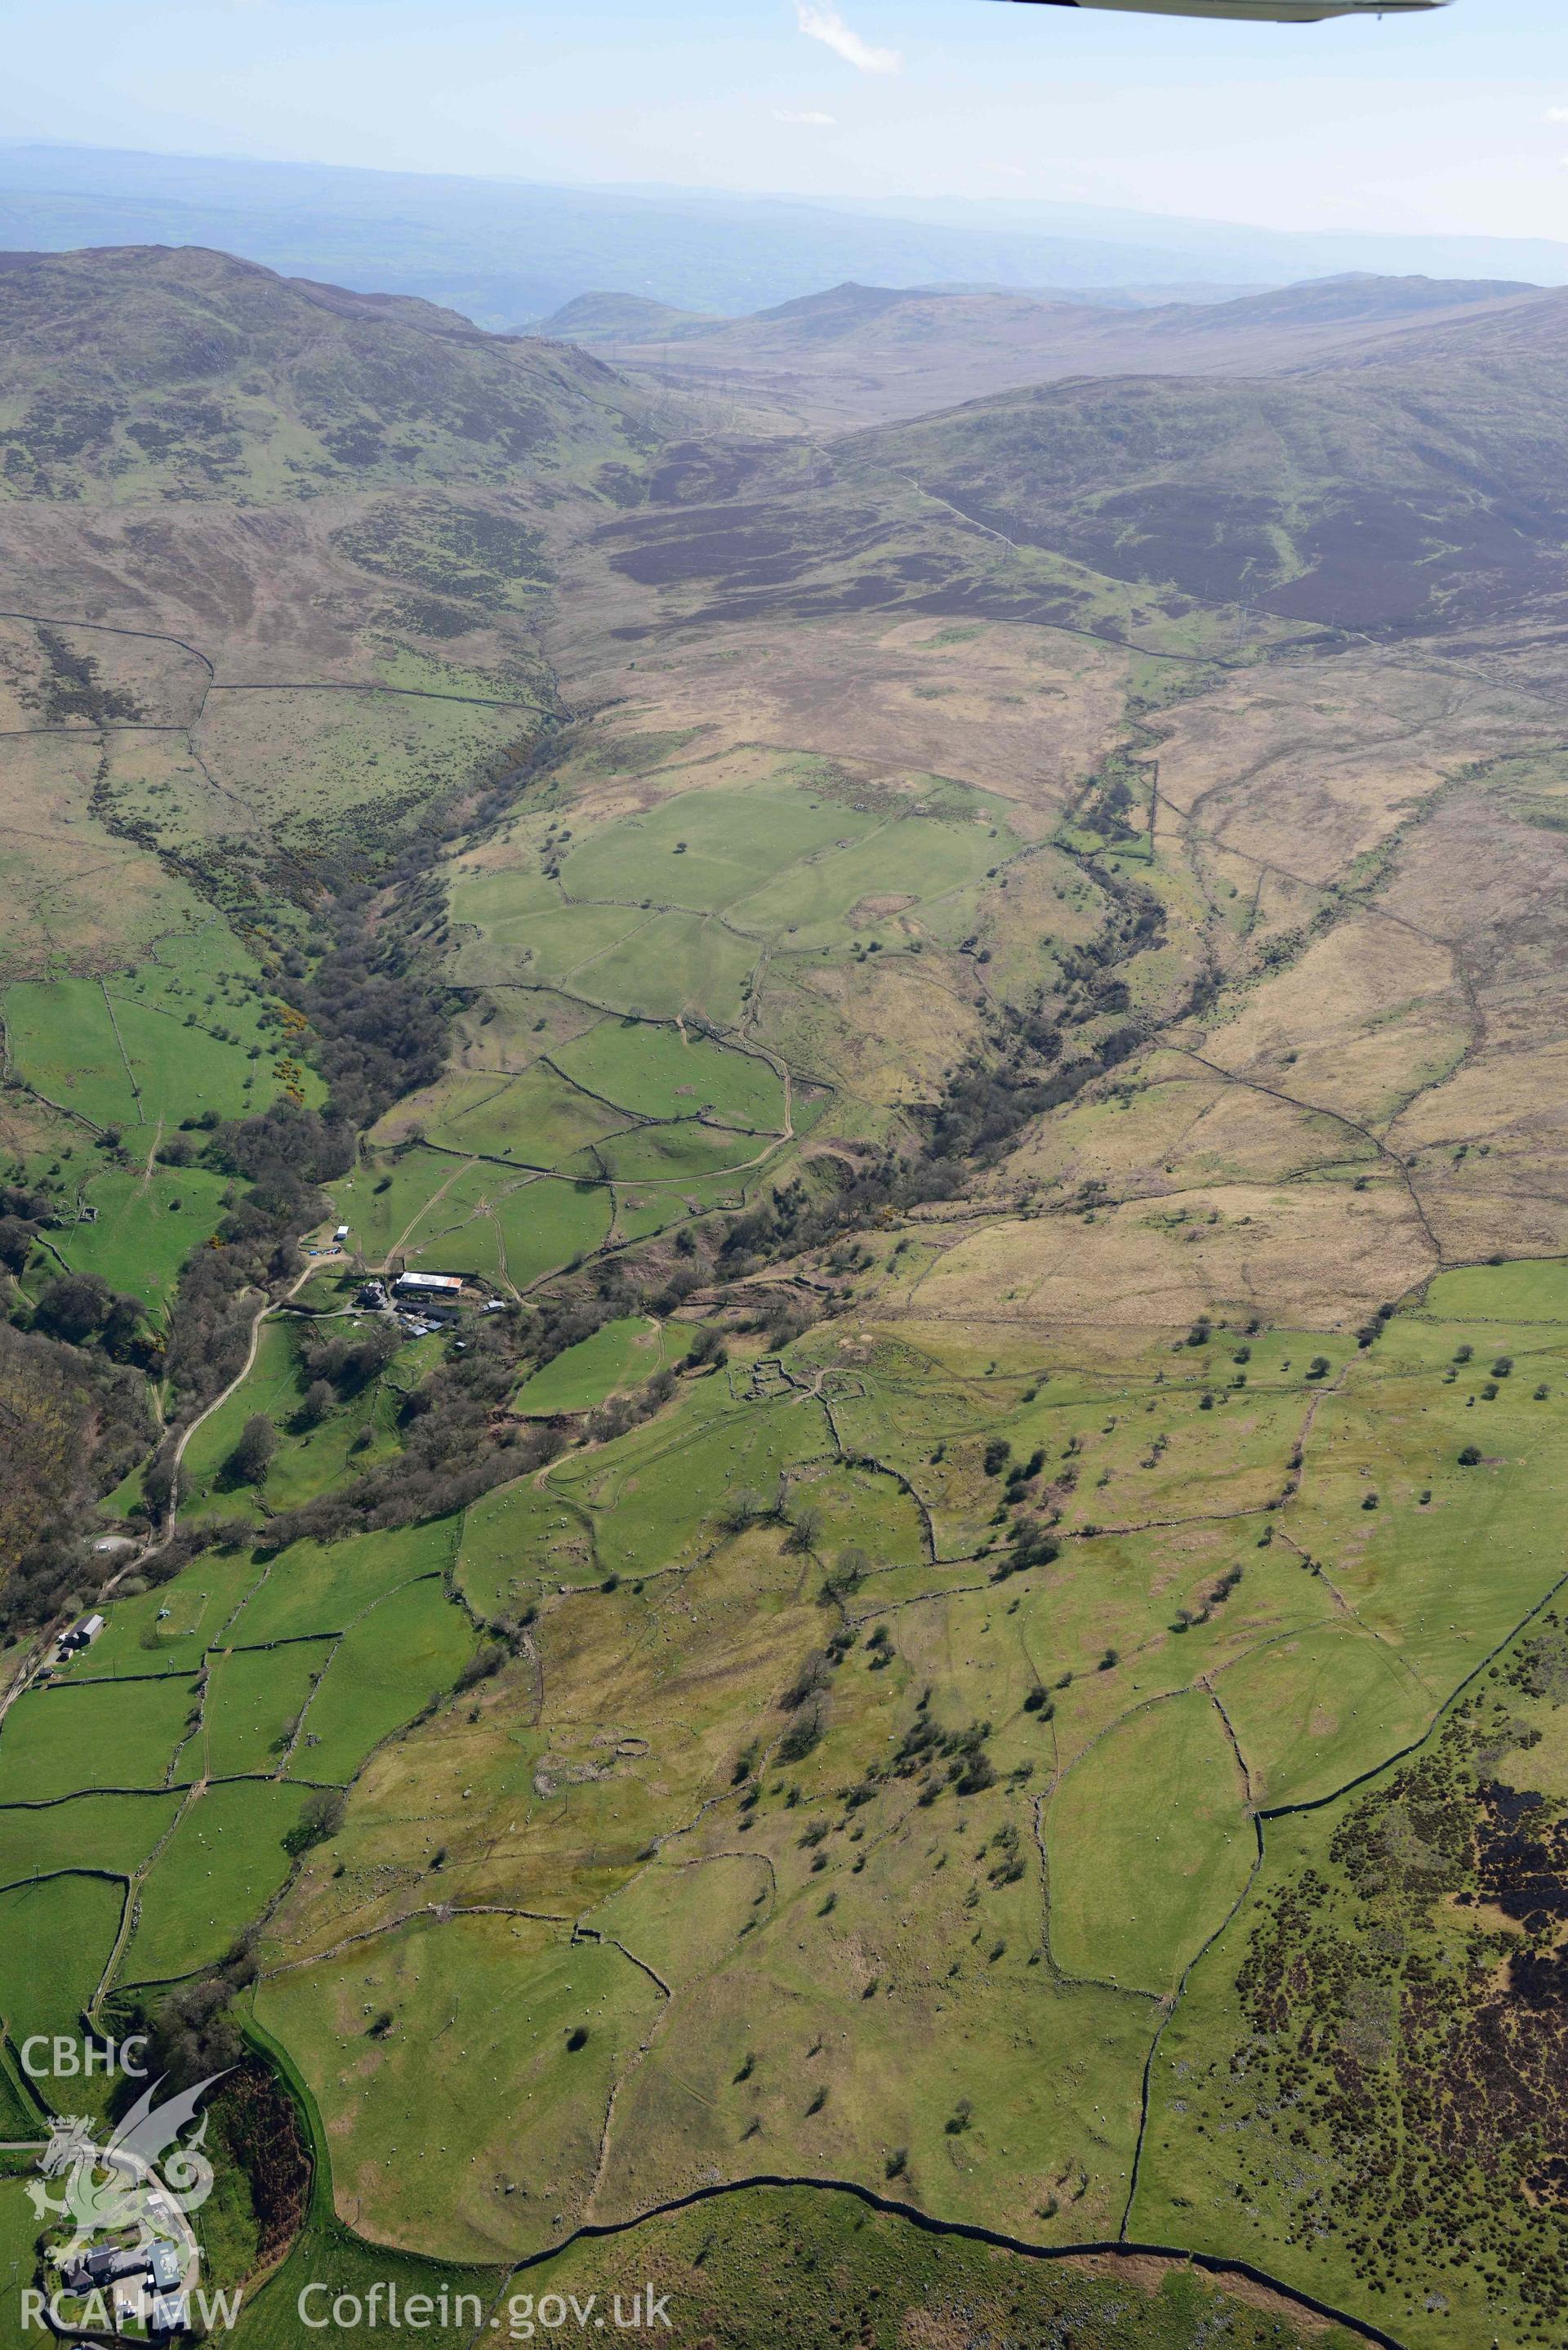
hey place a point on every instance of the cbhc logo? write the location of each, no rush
(74, 2060)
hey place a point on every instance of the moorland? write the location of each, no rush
(967, 1633)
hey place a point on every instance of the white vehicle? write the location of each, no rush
(1240, 12)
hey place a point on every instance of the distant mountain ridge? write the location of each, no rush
(503, 252)
(868, 354)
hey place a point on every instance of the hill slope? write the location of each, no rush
(146, 372)
(296, 492)
(1366, 491)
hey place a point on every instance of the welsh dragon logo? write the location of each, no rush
(146, 2175)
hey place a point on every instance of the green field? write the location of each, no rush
(517, 1537)
(384, 1194)
(170, 1629)
(1311, 1713)
(103, 1734)
(732, 842)
(860, 1509)
(18, 2242)
(1149, 1846)
(508, 1225)
(495, 2000)
(438, 1210)
(55, 1940)
(918, 860)
(328, 2254)
(112, 1833)
(639, 1214)
(657, 1072)
(313, 1588)
(224, 1861)
(20, 2121)
(309, 1460)
(188, 1034)
(64, 1042)
(149, 1049)
(254, 1699)
(404, 1650)
(621, 1354)
(682, 1154)
(273, 1386)
(545, 1225)
(671, 966)
(536, 1118)
(536, 948)
(654, 1491)
(146, 1225)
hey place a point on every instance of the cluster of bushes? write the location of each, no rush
(22, 1213)
(380, 1029)
(319, 1819)
(194, 2034)
(249, 1461)
(620, 1412)
(925, 1745)
(1028, 1544)
(340, 1367)
(81, 1309)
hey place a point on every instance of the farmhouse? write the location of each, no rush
(432, 1296)
(81, 1636)
(128, 2270)
(107, 2265)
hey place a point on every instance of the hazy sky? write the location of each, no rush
(1455, 120)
